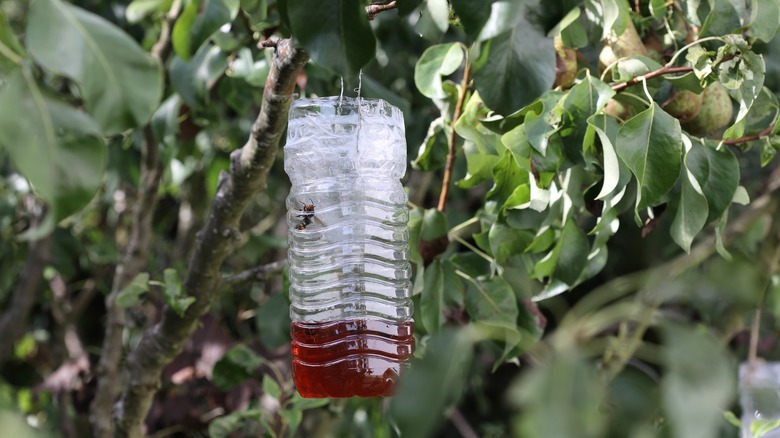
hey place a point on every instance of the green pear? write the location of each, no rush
(684, 105)
(715, 114)
(565, 63)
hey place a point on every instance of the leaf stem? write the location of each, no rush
(688, 46)
(445, 183)
(764, 132)
(10, 54)
(653, 74)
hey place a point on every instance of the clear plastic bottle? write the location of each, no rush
(350, 275)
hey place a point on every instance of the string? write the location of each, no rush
(341, 96)
(360, 83)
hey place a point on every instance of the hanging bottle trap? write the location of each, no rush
(350, 275)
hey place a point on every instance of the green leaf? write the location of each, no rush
(694, 395)
(506, 242)
(405, 7)
(732, 419)
(764, 18)
(272, 320)
(541, 125)
(11, 51)
(237, 365)
(271, 388)
(567, 383)
(479, 165)
(434, 19)
(507, 176)
(191, 79)
(650, 145)
(514, 68)
(568, 257)
(437, 61)
(615, 17)
(137, 10)
(121, 84)
(430, 385)
(131, 294)
(173, 292)
(761, 427)
(303, 404)
(434, 225)
(180, 37)
(223, 426)
(254, 72)
(491, 300)
(692, 210)
(335, 33)
(616, 174)
(720, 17)
(57, 147)
(432, 299)
(415, 228)
(470, 127)
(505, 15)
(583, 101)
(165, 125)
(199, 20)
(717, 171)
(473, 15)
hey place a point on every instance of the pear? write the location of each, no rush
(715, 114)
(684, 105)
(565, 63)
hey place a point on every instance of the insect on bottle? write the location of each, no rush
(350, 287)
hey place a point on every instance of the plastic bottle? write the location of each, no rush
(350, 287)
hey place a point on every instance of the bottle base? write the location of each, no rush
(352, 358)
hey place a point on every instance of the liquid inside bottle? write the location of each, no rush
(349, 268)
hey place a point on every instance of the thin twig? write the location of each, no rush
(653, 74)
(764, 132)
(246, 278)
(460, 423)
(445, 183)
(374, 9)
(134, 261)
(13, 320)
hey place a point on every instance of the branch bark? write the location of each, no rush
(445, 183)
(249, 169)
(109, 382)
(244, 279)
(13, 321)
(653, 74)
(374, 9)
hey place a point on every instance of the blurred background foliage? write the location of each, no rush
(524, 325)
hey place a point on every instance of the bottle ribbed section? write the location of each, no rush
(349, 269)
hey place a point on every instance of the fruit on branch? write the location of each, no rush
(619, 109)
(684, 105)
(628, 43)
(565, 64)
(715, 113)
(625, 45)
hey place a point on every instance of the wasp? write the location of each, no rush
(307, 215)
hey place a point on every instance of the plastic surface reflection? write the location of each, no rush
(348, 251)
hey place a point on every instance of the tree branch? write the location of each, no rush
(249, 169)
(13, 321)
(374, 9)
(244, 279)
(653, 74)
(764, 132)
(109, 382)
(445, 183)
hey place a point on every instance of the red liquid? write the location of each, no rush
(361, 357)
